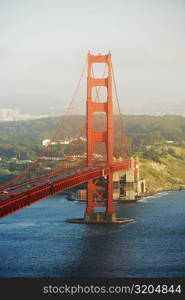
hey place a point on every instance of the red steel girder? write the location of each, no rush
(42, 191)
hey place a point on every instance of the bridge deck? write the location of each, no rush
(23, 195)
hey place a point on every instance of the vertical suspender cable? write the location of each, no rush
(120, 116)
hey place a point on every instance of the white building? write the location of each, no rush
(46, 142)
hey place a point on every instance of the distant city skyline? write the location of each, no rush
(44, 44)
(9, 115)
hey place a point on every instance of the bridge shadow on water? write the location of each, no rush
(98, 254)
(101, 250)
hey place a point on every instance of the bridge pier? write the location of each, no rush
(130, 191)
(116, 186)
(100, 218)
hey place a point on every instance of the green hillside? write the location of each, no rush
(158, 141)
(139, 129)
(168, 174)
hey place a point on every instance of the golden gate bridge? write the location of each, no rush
(36, 183)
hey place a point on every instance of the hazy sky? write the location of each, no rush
(44, 43)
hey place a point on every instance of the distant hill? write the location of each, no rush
(140, 130)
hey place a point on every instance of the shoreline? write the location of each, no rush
(161, 191)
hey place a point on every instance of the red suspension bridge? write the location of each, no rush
(35, 184)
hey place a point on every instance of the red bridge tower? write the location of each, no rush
(100, 136)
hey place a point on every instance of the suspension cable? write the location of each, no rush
(57, 170)
(80, 135)
(54, 135)
(45, 178)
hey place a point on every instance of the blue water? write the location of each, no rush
(37, 242)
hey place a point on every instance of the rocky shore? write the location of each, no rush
(169, 175)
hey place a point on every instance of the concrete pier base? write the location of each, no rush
(100, 218)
